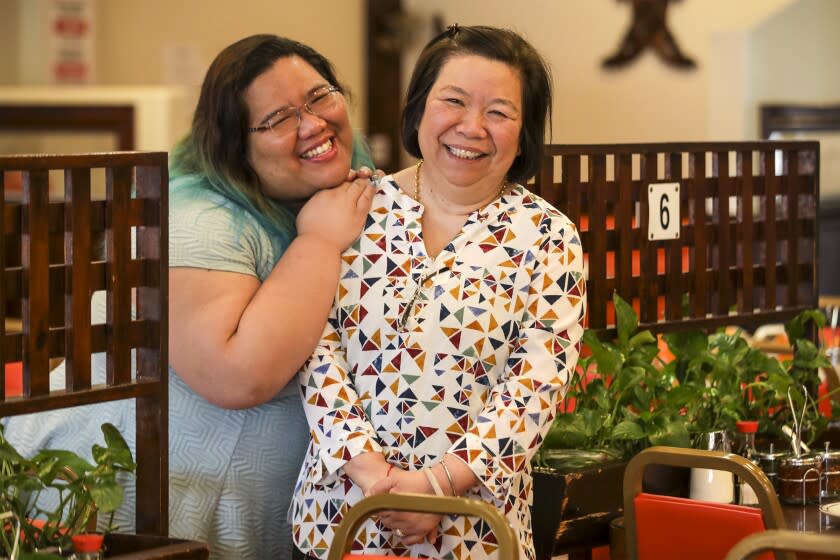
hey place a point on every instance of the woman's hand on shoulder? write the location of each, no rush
(365, 172)
(337, 215)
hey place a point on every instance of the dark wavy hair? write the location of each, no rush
(495, 44)
(216, 146)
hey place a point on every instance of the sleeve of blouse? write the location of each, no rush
(338, 424)
(506, 434)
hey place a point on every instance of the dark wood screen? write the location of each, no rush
(117, 119)
(789, 118)
(56, 254)
(747, 245)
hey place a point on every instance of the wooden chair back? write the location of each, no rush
(672, 527)
(52, 264)
(747, 235)
(345, 534)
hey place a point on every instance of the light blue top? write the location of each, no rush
(231, 472)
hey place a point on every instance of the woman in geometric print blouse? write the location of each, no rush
(458, 319)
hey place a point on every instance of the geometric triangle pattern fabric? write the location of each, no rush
(466, 354)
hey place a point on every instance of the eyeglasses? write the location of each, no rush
(287, 119)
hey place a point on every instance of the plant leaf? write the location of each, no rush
(628, 430)
(627, 322)
(674, 433)
(608, 358)
(798, 329)
(107, 496)
(686, 345)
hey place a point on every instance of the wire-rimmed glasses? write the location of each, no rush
(287, 120)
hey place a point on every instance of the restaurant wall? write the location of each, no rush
(747, 51)
(794, 56)
(646, 101)
(9, 42)
(172, 42)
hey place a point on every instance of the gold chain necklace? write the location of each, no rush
(417, 183)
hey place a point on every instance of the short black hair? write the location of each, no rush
(493, 43)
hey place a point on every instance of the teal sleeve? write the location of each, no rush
(202, 235)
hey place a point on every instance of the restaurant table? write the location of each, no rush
(809, 518)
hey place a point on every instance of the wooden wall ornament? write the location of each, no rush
(648, 28)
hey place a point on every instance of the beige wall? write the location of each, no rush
(136, 37)
(137, 41)
(794, 56)
(9, 42)
(645, 101)
(748, 51)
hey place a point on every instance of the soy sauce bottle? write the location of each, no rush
(746, 430)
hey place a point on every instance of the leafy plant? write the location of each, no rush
(620, 395)
(81, 489)
(626, 398)
(804, 368)
(722, 379)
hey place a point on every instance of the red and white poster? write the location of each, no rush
(70, 32)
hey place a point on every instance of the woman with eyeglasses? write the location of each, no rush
(262, 203)
(459, 316)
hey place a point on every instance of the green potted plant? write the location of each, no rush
(626, 397)
(722, 379)
(804, 368)
(80, 490)
(620, 395)
(620, 405)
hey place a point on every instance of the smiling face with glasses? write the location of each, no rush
(287, 120)
(300, 138)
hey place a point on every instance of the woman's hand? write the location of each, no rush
(337, 215)
(410, 527)
(367, 469)
(365, 172)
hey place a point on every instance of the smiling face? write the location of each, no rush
(292, 167)
(469, 132)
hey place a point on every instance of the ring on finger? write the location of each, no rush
(400, 533)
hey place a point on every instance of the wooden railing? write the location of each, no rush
(747, 243)
(57, 253)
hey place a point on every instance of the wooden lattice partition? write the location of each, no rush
(58, 251)
(747, 245)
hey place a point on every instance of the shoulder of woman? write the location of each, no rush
(552, 217)
(197, 219)
(191, 195)
(404, 175)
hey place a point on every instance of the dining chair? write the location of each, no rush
(788, 540)
(673, 527)
(346, 531)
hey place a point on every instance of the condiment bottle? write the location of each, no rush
(87, 546)
(747, 429)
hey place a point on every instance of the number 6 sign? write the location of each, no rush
(663, 211)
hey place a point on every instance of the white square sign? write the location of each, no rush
(663, 211)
